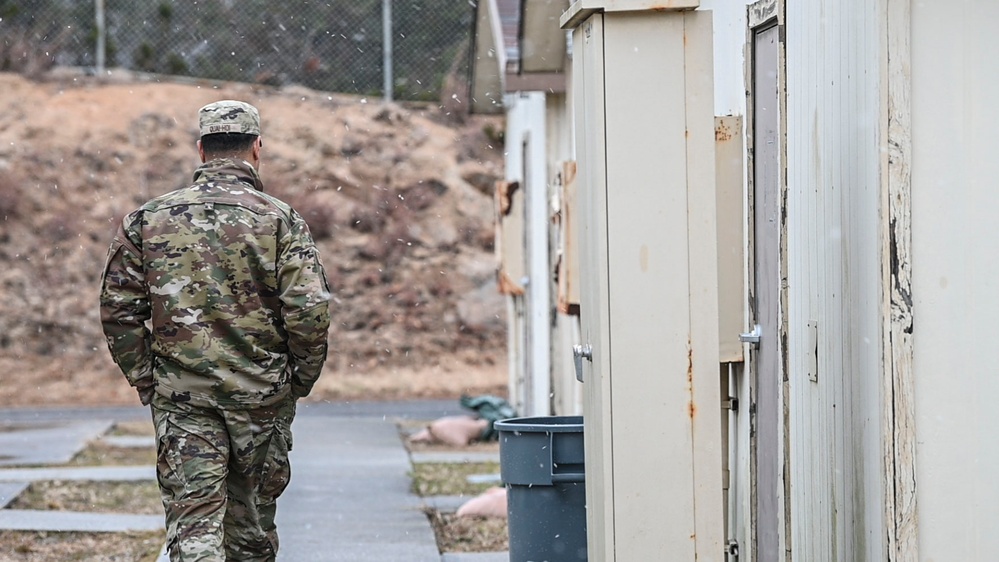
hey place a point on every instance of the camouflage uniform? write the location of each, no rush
(216, 308)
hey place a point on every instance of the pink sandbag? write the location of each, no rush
(458, 431)
(491, 503)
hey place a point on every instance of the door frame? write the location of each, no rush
(764, 15)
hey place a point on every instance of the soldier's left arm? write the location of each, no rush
(305, 296)
(125, 309)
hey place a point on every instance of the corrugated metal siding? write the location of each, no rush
(833, 50)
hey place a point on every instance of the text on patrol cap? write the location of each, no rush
(229, 116)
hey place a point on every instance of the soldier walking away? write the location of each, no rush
(215, 306)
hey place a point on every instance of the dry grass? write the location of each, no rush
(141, 498)
(40, 546)
(453, 533)
(94, 380)
(102, 454)
(469, 534)
(450, 379)
(133, 428)
(450, 479)
(476, 447)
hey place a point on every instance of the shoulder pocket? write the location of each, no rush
(320, 270)
(115, 249)
(120, 243)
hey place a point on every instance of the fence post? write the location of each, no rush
(99, 17)
(387, 49)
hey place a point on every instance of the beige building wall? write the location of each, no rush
(955, 276)
(649, 308)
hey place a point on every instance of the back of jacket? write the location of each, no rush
(231, 283)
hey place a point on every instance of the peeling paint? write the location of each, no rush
(504, 195)
(898, 419)
(761, 11)
(508, 286)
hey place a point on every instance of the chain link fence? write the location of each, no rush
(331, 46)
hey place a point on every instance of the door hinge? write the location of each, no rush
(731, 404)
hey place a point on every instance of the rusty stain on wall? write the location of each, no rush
(691, 405)
(723, 131)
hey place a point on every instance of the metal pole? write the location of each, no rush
(387, 49)
(101, 38)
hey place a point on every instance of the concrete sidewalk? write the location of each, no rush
(349, 497)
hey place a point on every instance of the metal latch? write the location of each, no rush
(580, 352)
(752, 337)
(732, 548)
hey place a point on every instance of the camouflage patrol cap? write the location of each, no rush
(229, 116)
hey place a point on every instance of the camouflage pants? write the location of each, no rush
(220, 473)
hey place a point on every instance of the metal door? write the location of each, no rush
(766, 391)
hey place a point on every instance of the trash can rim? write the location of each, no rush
(542, 424)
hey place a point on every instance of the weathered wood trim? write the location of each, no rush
(750, 204)
(508, 258)
(504, 196)
(783, 317)
(762, 14)
(567, 268)
(898, 420)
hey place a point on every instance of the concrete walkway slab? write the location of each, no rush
(129, 441)
(37, 443)
(476, 557)
(90, 473)
(455, 456)
(74, 521)
(9, 492)
(350, 498)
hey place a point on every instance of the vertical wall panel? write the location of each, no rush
(649, 307)
(955, 276)
(833, 154)
(730, 21)
(526, 151)
(642, 260)
(566, 391)
(587, 90)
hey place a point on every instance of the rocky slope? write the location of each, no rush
(398, 198)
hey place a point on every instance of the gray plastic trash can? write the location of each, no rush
(542, 465)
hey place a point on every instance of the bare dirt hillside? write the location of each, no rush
(397, 196)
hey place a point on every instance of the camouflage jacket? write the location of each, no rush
(215, 295)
